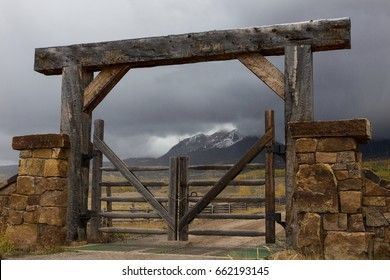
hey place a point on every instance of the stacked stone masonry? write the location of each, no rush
(35, 213)
(341, 211)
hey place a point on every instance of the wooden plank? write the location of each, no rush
(244, 199)
(118, 163)
(270, 182)
(138, 168)
(206, 183)
(298, 73)
(113, 215)
(241, 233)
(73, 123)
(131, 199)
(172, 195)
(96, 190)
(251, 166)
(224, 181)
(230, 216)
(183, 163)
(128, 184)
(102, 85)
(132, 230)
(265, 71)
(327, 34)
(357, 128)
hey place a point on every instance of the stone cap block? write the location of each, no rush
(40, 141)
(360, 129)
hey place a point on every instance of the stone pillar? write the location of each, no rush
(328, 194)
(37, 208)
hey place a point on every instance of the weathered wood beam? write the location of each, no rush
(298, 72)
(265, 71)
(322, 35)
(102, 85)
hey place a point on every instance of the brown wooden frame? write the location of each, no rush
(81, 93)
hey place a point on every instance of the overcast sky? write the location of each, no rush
(152, 109)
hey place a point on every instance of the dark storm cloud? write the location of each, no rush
(151, 109)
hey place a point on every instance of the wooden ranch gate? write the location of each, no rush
(81, 92)
(178, 215)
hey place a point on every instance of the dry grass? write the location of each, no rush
(380, 167)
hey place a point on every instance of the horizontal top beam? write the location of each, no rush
(329, 34)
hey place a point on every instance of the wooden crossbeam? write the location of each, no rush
(121, 166)
(322, 35)
(102, 85)
(224, 181)
(266, 71)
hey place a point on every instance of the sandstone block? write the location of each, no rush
(58, 153)
(55, 168)
(335, 221)
(25, 185)
(388, 203)
(305, 158)
(374, 217)
(30, 217)
(50, 184)
(373, 189)
(336, 144)
(381, 250)
(305, 145)
(4, 202)
(18, 202)
(346, 157)
(316, 189)
(33, 200)
(51, 235)
(30, 208)
(15, 217)
(31, 166)
(350, 201)
(54, 216)
(339, 166)
(25, 154)
(42, 153)
(387, 234)
(355, 170)
(350, 184)
(53, 198)
(322, 157)
(309, 233)
(341, 174)
(340, 245)
(23, 236)
(374, 201)
(355, 222)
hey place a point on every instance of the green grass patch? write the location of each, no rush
(380, 167)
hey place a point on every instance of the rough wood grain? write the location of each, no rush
(172, 195)
(270, 182)
(265, 71)
(358, 128)
(183, 163)
(328, 34)
(224, 181)
(96, 190)
(74, 80)
(298, 73)
(230, 216)
(102, 85)
(118, 163)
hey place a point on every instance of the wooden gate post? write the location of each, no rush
(96, 179)
(183, 195)
(172, 195)
(269, 181)
(298, 107)
(77, 125)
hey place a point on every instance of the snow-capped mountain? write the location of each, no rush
(202, 142)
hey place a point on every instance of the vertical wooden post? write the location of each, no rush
(96, 179)
(172, 196)
(270, 182)
(183, 195)
(298, 107)
(73, 123)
